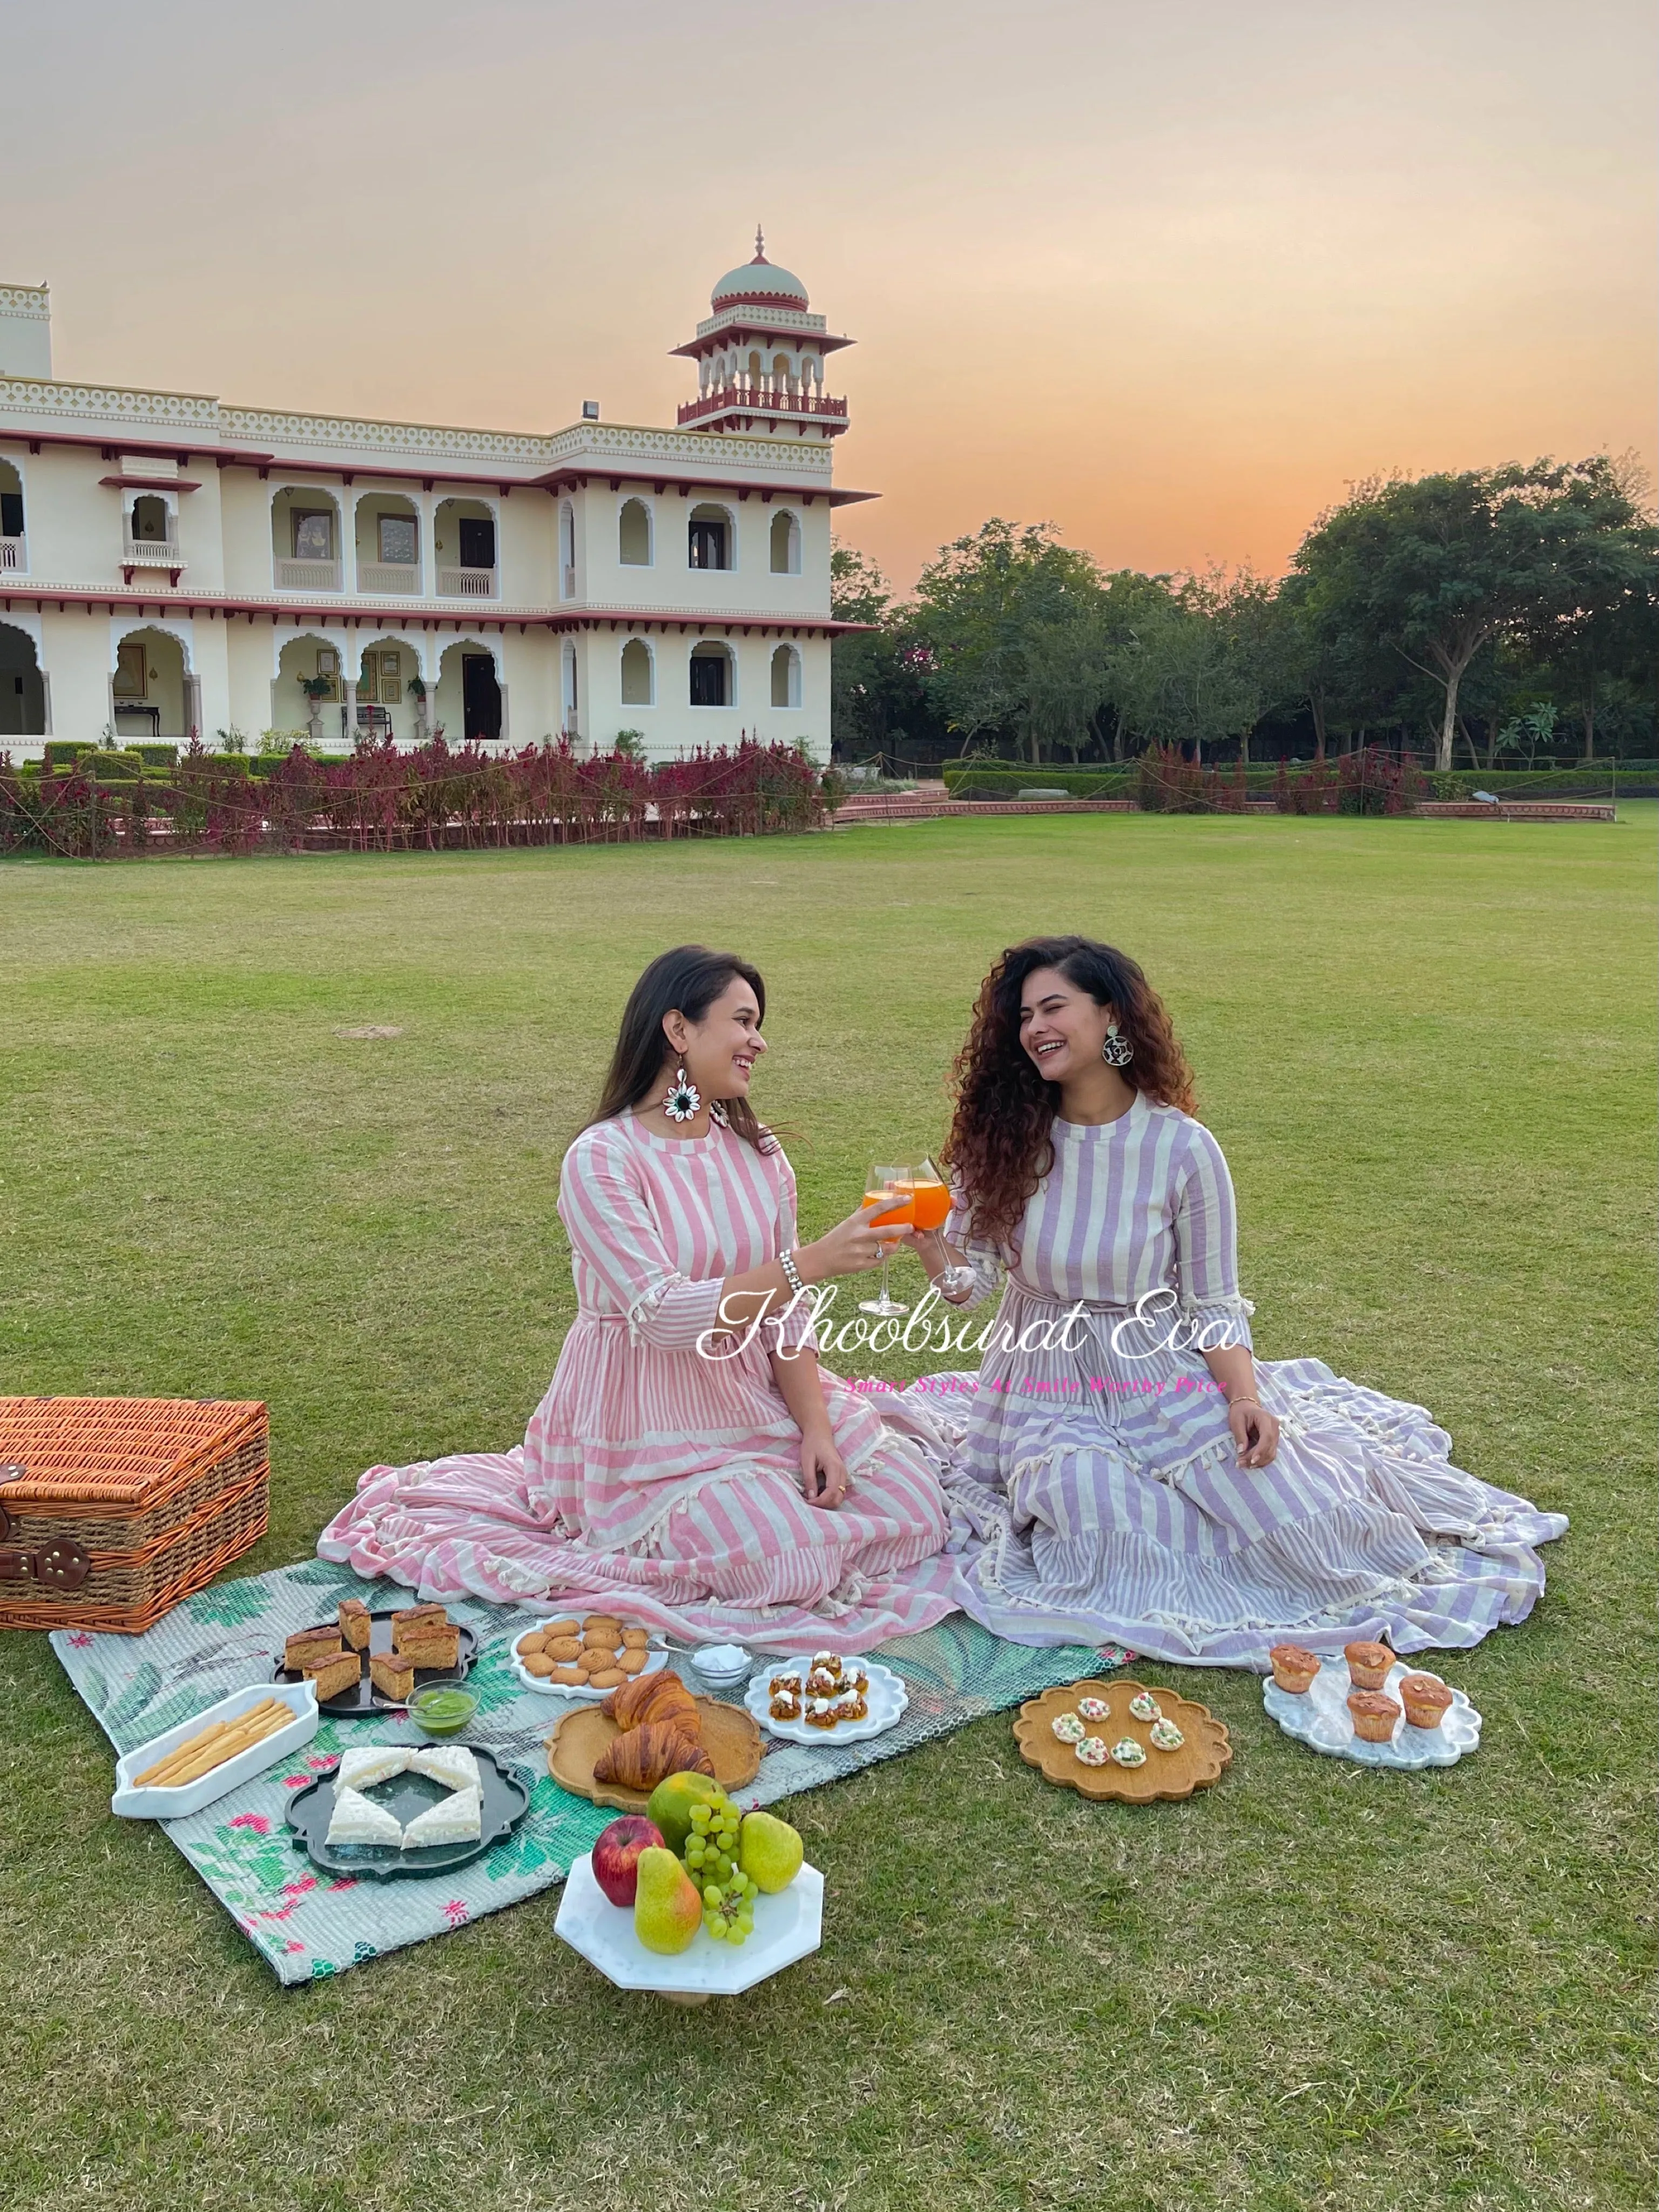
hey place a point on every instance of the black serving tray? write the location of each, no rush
(505, 1796)
(365, 1701)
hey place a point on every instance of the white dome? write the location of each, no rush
(760, 281)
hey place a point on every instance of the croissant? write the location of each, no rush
(644, 1699)
(642, 1757)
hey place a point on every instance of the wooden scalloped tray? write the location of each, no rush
(731, 1736)
(1167, 1775)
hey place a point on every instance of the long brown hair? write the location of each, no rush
(687, 979)
(1000, 1147)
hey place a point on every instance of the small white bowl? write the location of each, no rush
(137, 1801)
(723, 1666)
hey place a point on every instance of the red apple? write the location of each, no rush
(616, 1855)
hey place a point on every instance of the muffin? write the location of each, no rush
(1294, 1669)
(1368, 1664)
(1425, 1700)
(1374, 1716)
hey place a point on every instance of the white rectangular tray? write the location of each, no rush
(153, 1804)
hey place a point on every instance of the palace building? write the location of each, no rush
(173, 565)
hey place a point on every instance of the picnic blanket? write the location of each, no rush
(307, 1924)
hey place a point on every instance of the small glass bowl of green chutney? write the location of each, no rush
(442, 1708)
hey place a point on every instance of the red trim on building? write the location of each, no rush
(150, 483)
(712, 341)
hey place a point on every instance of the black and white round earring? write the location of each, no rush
(684, 1100)
(1117, 1051)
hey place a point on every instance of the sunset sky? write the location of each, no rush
(1167, 275)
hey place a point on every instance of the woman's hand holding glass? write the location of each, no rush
(853, 1247)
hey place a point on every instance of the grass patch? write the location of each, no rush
(1427, 1049)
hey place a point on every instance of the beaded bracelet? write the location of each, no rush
(791, 1273)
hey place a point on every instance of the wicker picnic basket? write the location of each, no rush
(112, 1509)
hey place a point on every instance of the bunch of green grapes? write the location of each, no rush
(711, 1849)
(728, 1909)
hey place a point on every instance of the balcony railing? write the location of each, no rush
(741, 398)
(307, 575)
(151, 553)
(467, 583)
(390, 576)
(14, 553)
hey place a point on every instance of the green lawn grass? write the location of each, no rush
(1427, 1049)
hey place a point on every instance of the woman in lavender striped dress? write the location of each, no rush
(689, 1466)
(1135, 1473)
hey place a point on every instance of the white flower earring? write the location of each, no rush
(684, 1100)
(1117, 1051)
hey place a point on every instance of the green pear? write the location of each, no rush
(769, 1852)
(667, 1909)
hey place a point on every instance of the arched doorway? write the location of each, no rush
(471, 707)
(22, 689)
(152, 691)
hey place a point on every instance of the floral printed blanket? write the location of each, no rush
(306, 1924)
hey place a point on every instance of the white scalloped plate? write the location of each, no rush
(886, 1698)
(656, 1660)
(1321, 1719)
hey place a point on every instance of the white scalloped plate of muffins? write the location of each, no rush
(885, 1697)
(1319, 1717)
(582, 1693)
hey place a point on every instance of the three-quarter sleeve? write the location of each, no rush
(1207, 1247)
(986, 1259)
(609, 1222)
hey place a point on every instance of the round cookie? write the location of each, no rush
(607, 1677)
(593, 1662)
(591, 1643)
(534, 1641)
(635, 1639)
(564, 1648)
(632, 1661)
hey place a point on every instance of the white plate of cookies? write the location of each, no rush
(585, 1659)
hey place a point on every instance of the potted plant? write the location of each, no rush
(316, 689)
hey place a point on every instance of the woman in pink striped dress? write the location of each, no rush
(690, 1466)
(1137, 1475)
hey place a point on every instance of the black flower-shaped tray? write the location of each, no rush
(362, 1701)
(505, 1796)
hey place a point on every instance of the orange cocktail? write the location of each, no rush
(929, 1203)
(895, 1200)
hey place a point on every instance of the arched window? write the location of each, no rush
(712, 538)
(639, 686)
(11, 515)
(149, 520)
(786, 543)
(712, 676)
(786, 676)
(568, 675)
(634, 534)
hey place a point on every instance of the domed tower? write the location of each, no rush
(760, 356)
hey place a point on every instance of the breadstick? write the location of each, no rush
(195, 1745)
(187, 1752)
(229, 1746)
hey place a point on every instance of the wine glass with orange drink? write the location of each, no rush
(915, 1196)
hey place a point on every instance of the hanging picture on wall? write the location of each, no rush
(313, 535)
(328, 665)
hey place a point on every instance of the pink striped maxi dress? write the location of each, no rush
(655, 1481)
(1100, 1473)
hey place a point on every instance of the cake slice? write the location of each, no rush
(371, 1763)
(308, 1643)
(334, 1673)
(454, 1819)
(412, 1620)
(452, 1764)
(356, 1820)
(393, 1674)
(357, 1622)
(433, 1647)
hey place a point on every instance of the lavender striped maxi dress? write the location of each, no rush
(654, 1481)
(1105, 1482)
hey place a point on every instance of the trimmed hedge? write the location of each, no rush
(1594, 779)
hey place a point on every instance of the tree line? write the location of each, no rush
(1495, 617)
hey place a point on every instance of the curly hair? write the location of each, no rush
(998, 1148)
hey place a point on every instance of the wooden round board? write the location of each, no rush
(1166, 1774)
(730, 1736)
